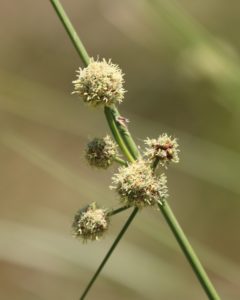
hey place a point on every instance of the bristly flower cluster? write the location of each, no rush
(138, 186)
(100, 152)
(136, 183)
(100, 83)
(165, 149)
(90, 223)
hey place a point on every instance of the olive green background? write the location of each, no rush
(182, 66)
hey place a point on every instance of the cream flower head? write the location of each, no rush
(138, 186)
(100, 83)
(90, 223)
(164, 148)
(100, 152)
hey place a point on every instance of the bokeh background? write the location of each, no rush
(182, 66)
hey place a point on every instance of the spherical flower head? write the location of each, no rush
(100, 83)
(100, 152)
(137, 186)
(165, 149)
(90, 223)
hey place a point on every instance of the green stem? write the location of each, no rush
(121, 161)
(188, 251)
(71, 31)
(117, 210)
(186, 246)
(123, 130)
(118, 238)
(116, 133)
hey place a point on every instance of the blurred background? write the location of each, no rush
(182, 66)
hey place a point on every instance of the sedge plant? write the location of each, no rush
(101, 84)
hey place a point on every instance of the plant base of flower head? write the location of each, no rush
(90, 223)
(138, 186)
(101, 152)
(100, 83)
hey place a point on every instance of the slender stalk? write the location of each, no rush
(129, 148)
(186, 246)
(71, 31)
(114, 126)
(123, 130)
(188, 251)
(118, 238)
(118, 210)
(120, 161)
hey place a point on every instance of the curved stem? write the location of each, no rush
(188, 251)
(118, 238)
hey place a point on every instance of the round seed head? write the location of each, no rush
(100, 152)
(165, 148)
(137, 186)
(90, 223)
(100, 83)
